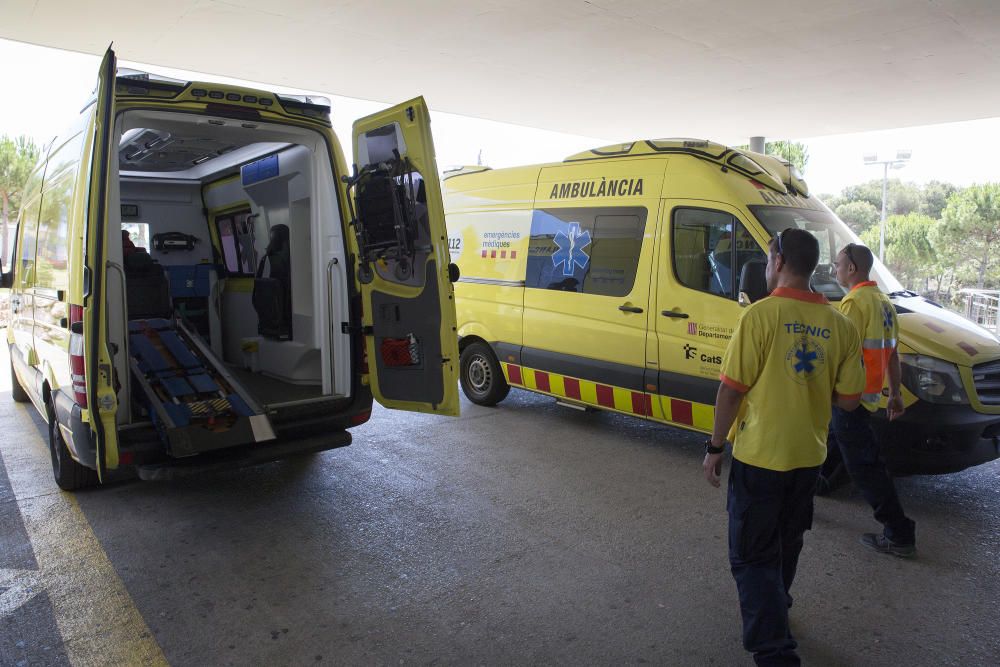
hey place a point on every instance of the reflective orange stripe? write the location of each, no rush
(876, 361)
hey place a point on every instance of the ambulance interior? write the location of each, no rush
(227, 234)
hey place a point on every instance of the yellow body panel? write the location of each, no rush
(490, 219)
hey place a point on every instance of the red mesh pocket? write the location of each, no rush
(400, 351)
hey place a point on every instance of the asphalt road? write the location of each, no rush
(528, 533)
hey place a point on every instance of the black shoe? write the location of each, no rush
(884, 545)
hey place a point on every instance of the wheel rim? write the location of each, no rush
(480, 374)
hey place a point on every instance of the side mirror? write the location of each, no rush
(753, 282)
(6, 279)
(453, 273)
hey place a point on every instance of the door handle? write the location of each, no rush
(670, 313)
(629, 309)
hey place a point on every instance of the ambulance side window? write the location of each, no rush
(237, 240)
(709, 250)
(28, 226)
(51, 270)
(585, 250)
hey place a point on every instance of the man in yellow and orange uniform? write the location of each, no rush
(851, 436)
(790, 357)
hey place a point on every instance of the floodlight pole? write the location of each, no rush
(902, 157)
(881, 226)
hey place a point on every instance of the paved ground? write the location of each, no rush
(523, 534)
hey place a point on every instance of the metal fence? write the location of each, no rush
(983, 307)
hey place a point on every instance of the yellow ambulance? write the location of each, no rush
(614, 279)
(199, 282)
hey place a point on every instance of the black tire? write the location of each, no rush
(482, 378)
(17, 392)
(69, 474)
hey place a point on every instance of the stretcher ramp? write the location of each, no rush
(195, 404)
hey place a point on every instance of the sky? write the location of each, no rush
(45, 88)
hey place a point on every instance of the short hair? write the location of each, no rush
(860, 256)
(800, 250)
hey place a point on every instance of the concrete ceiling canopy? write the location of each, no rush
(609, 68)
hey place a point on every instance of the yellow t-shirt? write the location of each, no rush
(789, 354)
(874, 317)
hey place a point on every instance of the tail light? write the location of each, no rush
(361, 418)
(76, 352)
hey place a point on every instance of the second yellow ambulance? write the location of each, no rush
(614, 280)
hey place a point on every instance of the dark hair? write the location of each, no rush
(860, 256)
(799, 249)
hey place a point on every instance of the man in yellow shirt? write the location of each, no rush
(851, 436)
(790, 357)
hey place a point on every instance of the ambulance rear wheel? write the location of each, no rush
(482, 378)
(17, 392)
(69, 474)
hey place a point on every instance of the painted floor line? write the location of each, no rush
(97, 619)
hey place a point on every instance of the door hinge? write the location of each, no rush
(346, 328)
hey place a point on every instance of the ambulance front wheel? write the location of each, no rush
(482, 378)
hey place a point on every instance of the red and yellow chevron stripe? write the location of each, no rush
(657, 407)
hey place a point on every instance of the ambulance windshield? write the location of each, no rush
(832, 235)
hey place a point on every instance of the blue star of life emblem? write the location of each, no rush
(570, 253)
(805, 358)
(887, 317)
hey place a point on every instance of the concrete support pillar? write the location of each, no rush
(757, 144)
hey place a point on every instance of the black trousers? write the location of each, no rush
(853, 440)
(769, 512)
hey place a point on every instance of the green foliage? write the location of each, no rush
(17, 158)
(909, 253)
(938, 237)
(859, 215)
(968, 236)
(794, 152)
(935, 198)
(903, 197)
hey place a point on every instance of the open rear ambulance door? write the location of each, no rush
(403, 262)
(101, 396)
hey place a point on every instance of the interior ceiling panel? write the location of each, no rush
(616, 69)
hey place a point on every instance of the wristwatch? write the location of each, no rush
(709, 449)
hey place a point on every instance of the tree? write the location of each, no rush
(935, 198)
(859, 215)
(968, 235)
(794, 152)
(17, 158)
(903, 197)
(909, 253)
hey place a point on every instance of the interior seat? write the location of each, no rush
(146, 287)
(272, 296)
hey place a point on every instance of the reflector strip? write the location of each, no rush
(605, 396)
(656, 407)
(680, 411)
(514, 374)
(542, 381)
(572, 388)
